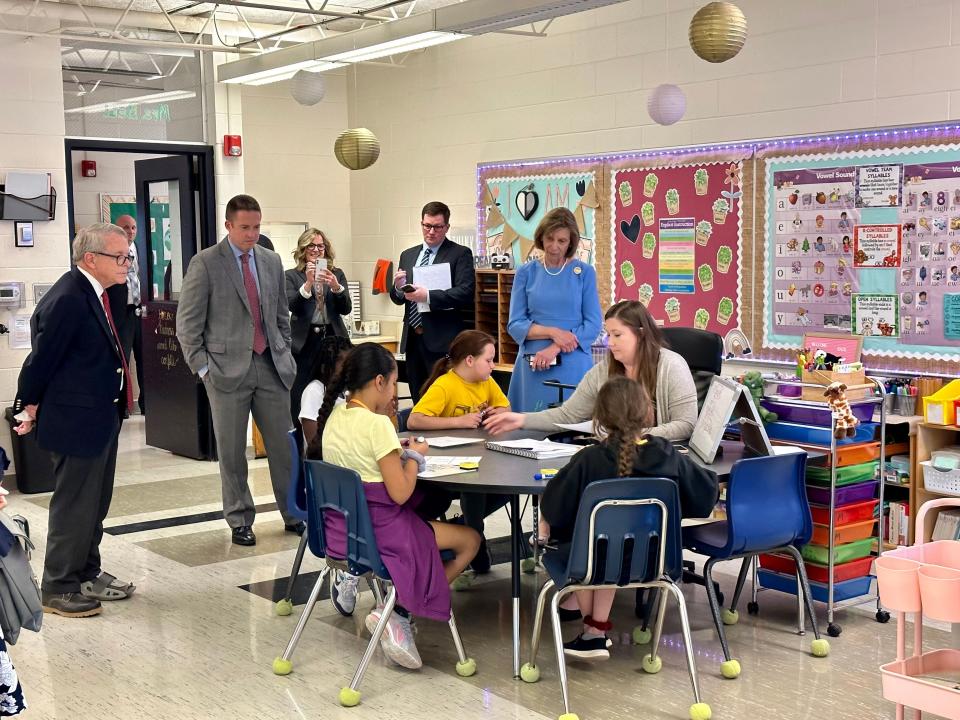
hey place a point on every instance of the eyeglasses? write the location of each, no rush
(428, 227)
(315, 247)
(121, 259)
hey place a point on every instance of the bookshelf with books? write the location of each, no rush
(492, 313)
(931, 438)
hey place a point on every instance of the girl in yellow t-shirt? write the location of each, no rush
(459, 395)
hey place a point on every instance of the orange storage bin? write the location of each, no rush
(856, 454)
(842, 533)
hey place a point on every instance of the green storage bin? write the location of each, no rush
(845, 475)
(841, 553)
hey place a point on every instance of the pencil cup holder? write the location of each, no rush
(940, 588)
(906, 405)
(898, 583)
(889, 404)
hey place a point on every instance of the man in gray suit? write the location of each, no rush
(234, 328)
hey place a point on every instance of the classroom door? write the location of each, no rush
(169, 209)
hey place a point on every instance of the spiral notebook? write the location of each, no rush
(534, 449)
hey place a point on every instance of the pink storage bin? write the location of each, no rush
(898, 583)
(942, 552)
(904, 683)
(940, 592)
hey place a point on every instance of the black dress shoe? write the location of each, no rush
(243, 535)
(298, 527)
(72, 605)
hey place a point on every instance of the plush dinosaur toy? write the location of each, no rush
(846, 422)
(753, 381)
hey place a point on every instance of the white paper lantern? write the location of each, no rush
(666, 104)
(308, 88)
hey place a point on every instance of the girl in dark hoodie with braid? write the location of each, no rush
(624, 412)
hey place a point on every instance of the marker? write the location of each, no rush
(545, 474)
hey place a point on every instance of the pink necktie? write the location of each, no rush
(253, 297)
(123, 360)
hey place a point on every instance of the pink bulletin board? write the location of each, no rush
(677, 242)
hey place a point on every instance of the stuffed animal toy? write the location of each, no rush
(753, 381)
(846, 422)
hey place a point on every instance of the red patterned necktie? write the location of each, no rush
(253, 297)
(123, 360)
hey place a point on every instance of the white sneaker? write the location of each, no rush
(397, 639)
(343, 594)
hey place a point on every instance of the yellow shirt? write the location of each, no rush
(356, 438)
(452, 396)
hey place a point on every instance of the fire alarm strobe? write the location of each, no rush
(88, 168)
(232, 146)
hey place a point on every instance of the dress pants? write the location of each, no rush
(419, 362)
(305, 360)
(132, 339)
(264, 394)
(81, 498)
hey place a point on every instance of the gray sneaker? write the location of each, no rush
(344, 592)
(397, 640)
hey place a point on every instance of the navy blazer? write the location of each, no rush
(73, 371)
(302, 310)
(444, 321)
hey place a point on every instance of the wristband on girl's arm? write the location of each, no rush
(409, 454)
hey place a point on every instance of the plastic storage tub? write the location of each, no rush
(816, 435)
(844, 514)
(941, 481)
(844, 495)
(842, 533)
(904, 682)
(841, 590)
(845, 553)
(815, 413)
(847, 475)
(816, 572)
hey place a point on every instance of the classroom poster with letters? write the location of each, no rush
(866, 243)
(676, 243)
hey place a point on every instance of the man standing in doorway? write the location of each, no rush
(130, 332)
(75, 386)
(234, 328)
(427, 334)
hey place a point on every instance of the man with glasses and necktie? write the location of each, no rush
(427, 335)
(130, 333)
(75, 387)
(234, 330)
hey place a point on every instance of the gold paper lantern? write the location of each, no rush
(357, 148)
(718, 31)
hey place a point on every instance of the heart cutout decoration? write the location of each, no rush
(631, 229)
(527, 202)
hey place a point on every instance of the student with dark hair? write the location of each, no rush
(330, 354)
(460, 394)
(623, 410)
(359, 435)
(427, 334)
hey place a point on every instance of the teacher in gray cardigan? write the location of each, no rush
(637, 351)
(318, 298)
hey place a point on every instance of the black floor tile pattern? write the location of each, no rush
(176, 521)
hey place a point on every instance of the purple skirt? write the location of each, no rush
(407, 547)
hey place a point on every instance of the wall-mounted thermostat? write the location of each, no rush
(11, 295)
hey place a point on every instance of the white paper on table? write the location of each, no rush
(544, 449)
(439, 466)
(786, 449)
(448, 441)
(585, 427)
(432, 277)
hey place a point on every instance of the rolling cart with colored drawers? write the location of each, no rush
(846, 500)
(923, 579)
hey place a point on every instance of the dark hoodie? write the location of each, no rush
(656, 458)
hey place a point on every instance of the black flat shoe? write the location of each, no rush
(298, 527)
(243, 535)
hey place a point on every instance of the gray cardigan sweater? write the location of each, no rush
(676, 400)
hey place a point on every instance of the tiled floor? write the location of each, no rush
(192, 644)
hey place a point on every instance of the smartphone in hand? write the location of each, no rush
(407, 288)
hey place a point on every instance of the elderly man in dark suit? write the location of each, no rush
(427, 335)
(234, 329)
(75, 387)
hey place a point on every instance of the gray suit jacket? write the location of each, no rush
(214, 322)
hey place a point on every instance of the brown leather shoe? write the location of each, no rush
(72, 605)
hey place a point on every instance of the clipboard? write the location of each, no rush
(726, 401)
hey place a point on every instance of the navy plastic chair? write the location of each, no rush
(331, 487)
(627, 535)
(767, 511)
(402, 417)
(297, 507)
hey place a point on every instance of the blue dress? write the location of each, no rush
(568, 301)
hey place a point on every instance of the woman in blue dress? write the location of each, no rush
(554, 315)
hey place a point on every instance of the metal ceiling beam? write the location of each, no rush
(79, 39)
(361, 14)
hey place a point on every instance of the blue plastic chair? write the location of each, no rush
(402, 417)
(297, 507)
(627, 535)
(331, 487)
(767, 511)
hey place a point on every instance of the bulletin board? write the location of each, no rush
(868, 243)
(677, 242)
(515, 204)
(113, 206)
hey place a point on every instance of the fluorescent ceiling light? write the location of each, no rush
(284, 72)
(476, 17)
(393, 47)
(141, 100)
